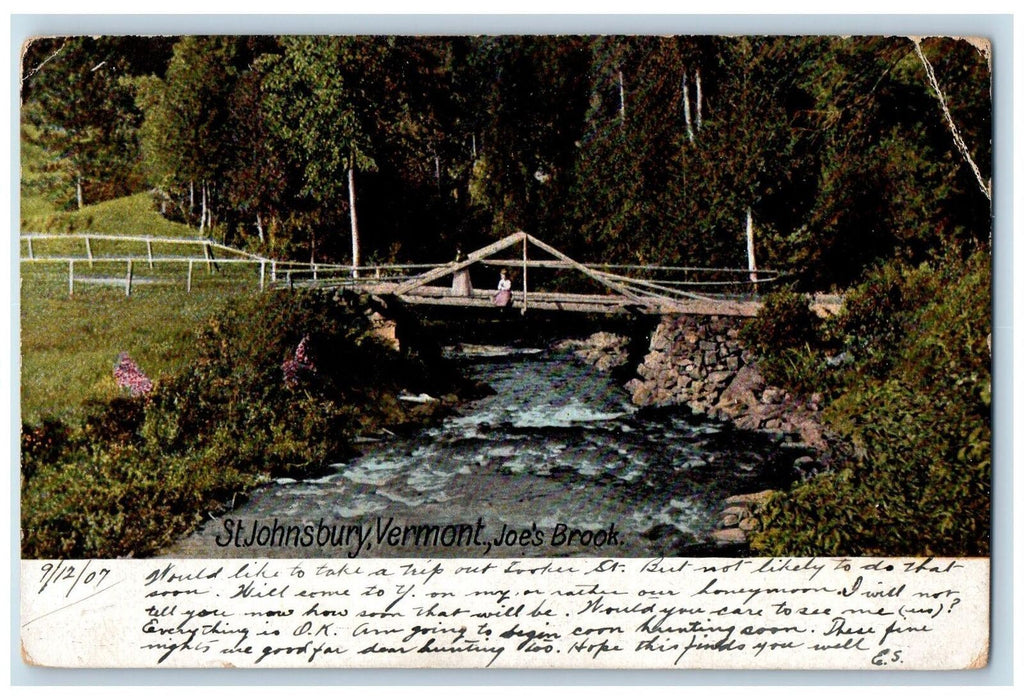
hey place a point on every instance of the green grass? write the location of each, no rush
(133, 215)
(69, 344)
(33, 207)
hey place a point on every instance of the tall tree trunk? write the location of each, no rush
(686, 110)
(259, 227)
(209, 207)
(202, 212)
(353, 219)
(622, 98)
(696, 79)
(191, 199)
(79, 197)
(958, 140)
(751, 262)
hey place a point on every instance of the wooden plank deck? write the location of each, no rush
(564, 301)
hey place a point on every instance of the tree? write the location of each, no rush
(76, 96)
(749, 163)
(534, 93)
(891, 182)
(184, 135)
(256, 178)
(628, 185)
(311, 104)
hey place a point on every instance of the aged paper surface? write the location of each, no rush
(818, 613)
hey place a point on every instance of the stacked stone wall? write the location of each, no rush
(691, 361)
(700, 362)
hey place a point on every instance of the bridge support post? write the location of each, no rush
(523, 310)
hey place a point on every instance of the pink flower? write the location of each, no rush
(128, 376)
(294, 368)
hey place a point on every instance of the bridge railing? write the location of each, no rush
(650, 281)
(670, 282)
(297, 274)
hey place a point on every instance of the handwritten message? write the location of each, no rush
(529, 613)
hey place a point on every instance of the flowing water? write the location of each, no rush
(557, 448)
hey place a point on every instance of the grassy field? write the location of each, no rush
(69, 344)
(133, 215)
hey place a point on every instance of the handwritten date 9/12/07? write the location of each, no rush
(67, 577)
(539, 613)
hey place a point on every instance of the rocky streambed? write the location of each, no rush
(560, 447)
(699, 363)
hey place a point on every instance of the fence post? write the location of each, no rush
(206, 251)
(273, 270)
(128, 280)
(314, 272)
(30, 255)
(188, 283)
(88, 250)
(263, 273)
(71, 278)
(149, 252)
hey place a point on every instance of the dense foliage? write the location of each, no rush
(913, 403)
(782, 335)
(142, 469)
(633, 149)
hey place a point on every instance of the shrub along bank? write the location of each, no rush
(907, 369)
(142, 470)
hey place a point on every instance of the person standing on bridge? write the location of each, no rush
(461, 284)
(504, 294)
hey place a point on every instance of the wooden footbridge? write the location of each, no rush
(543, 277)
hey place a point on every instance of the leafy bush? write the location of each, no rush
(919, 479)
(121, 500)
(877, 315)
(785, 335)
(42, 444)
(919, 484)
(784, 321)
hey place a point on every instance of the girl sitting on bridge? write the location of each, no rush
(504, 294)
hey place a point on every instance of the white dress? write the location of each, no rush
(461, 284)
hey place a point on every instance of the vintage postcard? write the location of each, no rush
(506, 351)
